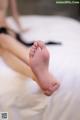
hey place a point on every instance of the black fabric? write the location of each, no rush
(18, 37)
(3, 30)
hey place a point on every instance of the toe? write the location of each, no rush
(35, 44)
(31, 53)
(53, 86)
(34, 48)
(41, 44)
(51, 90)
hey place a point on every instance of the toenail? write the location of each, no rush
(35, 44)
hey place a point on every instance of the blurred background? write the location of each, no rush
(48, 7)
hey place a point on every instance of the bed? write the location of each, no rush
(21, 97)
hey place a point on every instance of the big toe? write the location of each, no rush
(41, 44)
(35, 44)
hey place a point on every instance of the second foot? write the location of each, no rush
(39, 63)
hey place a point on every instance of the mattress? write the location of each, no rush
(21, 97)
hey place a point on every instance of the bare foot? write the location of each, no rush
(39, 62)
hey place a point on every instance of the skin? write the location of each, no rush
(39, 62)
(10, 49)
(32, 64)
(17, 65)
(3, 12)
(17, 56)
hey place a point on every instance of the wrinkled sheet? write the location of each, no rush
(21, 97)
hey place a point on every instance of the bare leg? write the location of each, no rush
(17, 64)
(11, 45)
(15, 47)
(39, 62)
(15, 55)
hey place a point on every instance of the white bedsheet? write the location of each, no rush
(26, 101)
